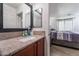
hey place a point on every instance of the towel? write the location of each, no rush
(59, 36)
(69, 37)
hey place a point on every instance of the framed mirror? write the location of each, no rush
(37, 18)
(16, 15)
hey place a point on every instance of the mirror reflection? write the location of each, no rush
(37, 14)
(16, 15)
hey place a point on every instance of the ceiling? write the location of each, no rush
(61, 9)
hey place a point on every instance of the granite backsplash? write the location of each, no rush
(7, 35)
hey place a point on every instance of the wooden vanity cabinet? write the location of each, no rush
(34, 49)
(40, 48)
(28, 51)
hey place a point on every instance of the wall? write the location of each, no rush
(45, 24)
(53, 9)
(9, 17)
(76, 23)
(53, 23)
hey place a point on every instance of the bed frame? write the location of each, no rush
(73, 45)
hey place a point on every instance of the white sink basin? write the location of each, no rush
(24, 39)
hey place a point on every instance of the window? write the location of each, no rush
(68, 25)
(65, 25)
(61, 25)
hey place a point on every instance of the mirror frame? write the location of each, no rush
(31, 15)
(15, 29)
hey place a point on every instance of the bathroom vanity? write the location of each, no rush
(23, 46)
(21, 19)
(34, 49)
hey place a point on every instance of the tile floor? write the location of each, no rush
(63, 51)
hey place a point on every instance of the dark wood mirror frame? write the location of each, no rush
(15, 29)
(31, 14)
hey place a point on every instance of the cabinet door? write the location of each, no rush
(28, 51)
(35, 49)
(40, 47)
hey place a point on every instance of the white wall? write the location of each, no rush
(53, 23)
(76, 23)
(9, 17)
(53, 7)
(45, 24)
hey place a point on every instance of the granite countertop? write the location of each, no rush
(13, 45)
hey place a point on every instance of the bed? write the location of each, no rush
(65, 38)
